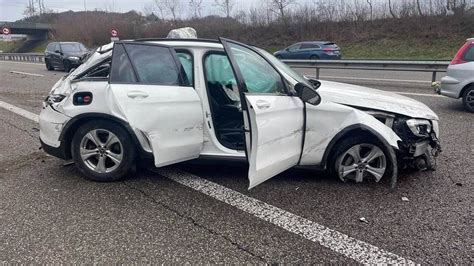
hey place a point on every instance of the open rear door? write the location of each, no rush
(273, 118)
(155, 96)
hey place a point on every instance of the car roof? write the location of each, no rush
(202, 43)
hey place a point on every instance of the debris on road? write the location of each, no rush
(405, 199)
(364, 220)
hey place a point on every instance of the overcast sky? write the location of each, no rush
(11, 10)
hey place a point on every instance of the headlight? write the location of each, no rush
(54, 98)
(419, 127)
(73, 58)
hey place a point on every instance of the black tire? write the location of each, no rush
(49, 67)
(345, 144)
(314, 57)
(127, 149)
(468, 99)
(67, 66)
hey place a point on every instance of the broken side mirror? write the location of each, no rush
(307, 94)
(316, 84)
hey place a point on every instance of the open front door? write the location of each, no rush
(273, 119)
(154, 94)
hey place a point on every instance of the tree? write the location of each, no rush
(173, 7)
(391, 10)
(418, 7)
(279, 7)
(225, 6)
(196, 7)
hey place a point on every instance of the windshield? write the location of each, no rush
(284, 67)
(72, 47)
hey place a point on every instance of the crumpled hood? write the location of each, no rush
(364, 97)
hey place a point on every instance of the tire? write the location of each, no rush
(468, 99)
(49, 67)
(314, 57)
(98, 160)
(360, 167)
(279, 57)
(67, 66)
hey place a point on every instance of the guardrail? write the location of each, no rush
(28, 57)
(381, 65)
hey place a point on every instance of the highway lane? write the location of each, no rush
(50, 214)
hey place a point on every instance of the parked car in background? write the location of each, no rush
(459, 81)
(64, 55)
(310, 50)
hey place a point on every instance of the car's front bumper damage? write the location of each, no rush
(419, 154)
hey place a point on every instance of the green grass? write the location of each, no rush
(7, 47)
(40, 47)
(402, 49)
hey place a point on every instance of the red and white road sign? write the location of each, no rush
(114, 33)
(6, 31)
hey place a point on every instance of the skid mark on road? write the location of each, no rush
(355, 249)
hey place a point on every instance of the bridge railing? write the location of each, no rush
(27, 57)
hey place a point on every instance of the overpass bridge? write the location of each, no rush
(33, 31)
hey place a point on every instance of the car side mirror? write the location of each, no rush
(307, 94)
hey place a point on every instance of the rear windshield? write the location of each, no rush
(469, 54)
(330, 45)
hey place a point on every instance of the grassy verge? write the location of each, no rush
(7, 47)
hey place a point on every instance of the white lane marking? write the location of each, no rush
(420, 94)
(19, 111)
(350, 247)
(26, 73)
(24, 63)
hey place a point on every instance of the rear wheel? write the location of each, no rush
(358, 159)
(103, 151)
(314, 57)
(468, 99)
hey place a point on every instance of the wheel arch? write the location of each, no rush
(357, 130)
(72, 125)
(464, 89)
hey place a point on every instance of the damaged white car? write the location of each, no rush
(177, 100)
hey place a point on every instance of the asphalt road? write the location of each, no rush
(50, 214)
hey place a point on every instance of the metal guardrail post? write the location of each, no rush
(433, 77)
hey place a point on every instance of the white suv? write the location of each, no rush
(177, 100)
(459, 81)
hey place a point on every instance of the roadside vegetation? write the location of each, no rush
(411, 29)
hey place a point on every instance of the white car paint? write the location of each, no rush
(277, 129)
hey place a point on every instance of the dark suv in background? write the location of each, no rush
(64, 55)
(310, 50)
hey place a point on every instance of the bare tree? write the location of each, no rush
(390, 9)
(280, 7)
(225, 6)
(196, 7)
(173, 7)
(30, 9)
(161, 7)
(371, 7)
(418, 7)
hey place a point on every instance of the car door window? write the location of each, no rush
(309, 46)
(294, 47)
(259, 76)
(154, 64)
(219, 75)
(122, 70)
(186, 60)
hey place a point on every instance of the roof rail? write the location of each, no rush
(176, 40)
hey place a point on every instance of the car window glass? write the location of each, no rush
(219, 73)
(154, 64)
(309, 46)
(56, 47)
(72, 47)
(259, 76)
(469, 54)
(186, 60)
(122, 71)
(294, 47)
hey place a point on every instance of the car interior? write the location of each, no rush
(224, 101)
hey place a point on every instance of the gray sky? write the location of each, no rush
(11, 10)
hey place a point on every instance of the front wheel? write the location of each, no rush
(67, 66)
(103, 151)
(48, 65)
(358, 159)
(468, 99)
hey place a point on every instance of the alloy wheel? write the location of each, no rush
(101, 151)
(362, 161)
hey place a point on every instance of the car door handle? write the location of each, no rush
(137, 94)
(263, 104)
